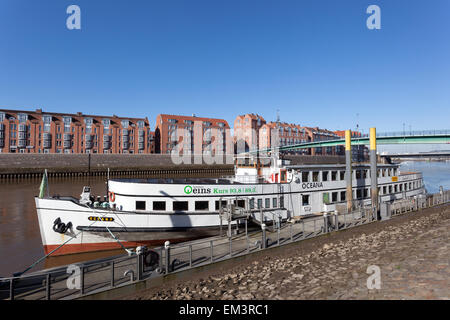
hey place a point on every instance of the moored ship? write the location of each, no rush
(151, 211)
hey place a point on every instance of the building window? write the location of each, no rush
(274, 202)
(343, 195)
(267, 200)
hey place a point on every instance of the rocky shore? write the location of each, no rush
(411, 253)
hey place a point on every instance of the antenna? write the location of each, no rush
(357, 121)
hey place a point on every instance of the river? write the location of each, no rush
(20, 240)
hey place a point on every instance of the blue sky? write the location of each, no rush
(315, 61)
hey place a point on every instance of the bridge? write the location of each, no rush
(389, 138)
(434, 154)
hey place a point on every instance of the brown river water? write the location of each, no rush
(20, 239)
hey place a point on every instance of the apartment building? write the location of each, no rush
(24, 131)
(246, 131)
(282, 134)
(191, 135)
(317, 134)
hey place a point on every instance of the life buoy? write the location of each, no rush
(112, 196)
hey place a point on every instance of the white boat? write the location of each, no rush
(151, 211)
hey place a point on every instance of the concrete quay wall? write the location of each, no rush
(33, 165)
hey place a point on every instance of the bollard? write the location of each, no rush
(167, 250)
(264, 243)
(140, 251)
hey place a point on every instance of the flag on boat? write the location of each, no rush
(43, 186)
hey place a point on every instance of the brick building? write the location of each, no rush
(246, 131)
(191, 135)
(287, 134)
(316, 134)
(49, 132)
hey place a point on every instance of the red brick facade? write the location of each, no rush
(46, 132)
(191, 135)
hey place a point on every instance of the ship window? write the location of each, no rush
(281, 202)
(384, 190)
(140, 205)
(305, 176)
(274, 202)
(364, 174)
(395, 188)
(201, 205)
(239, 203)
(224, 204)
(180, 205)
(159, 205)
(365, 192)
(343, 195)
(252, 203)
(267, 202)
(324, 175)
(315, 176)
(342, 174)
(390, 189)
(334, 197)
(358, 194)
(305, 199)
(259, 203)
(283, 176)
(326, 198)
(358, 174)
(333, 175)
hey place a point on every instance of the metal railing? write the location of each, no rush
(90, 277)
